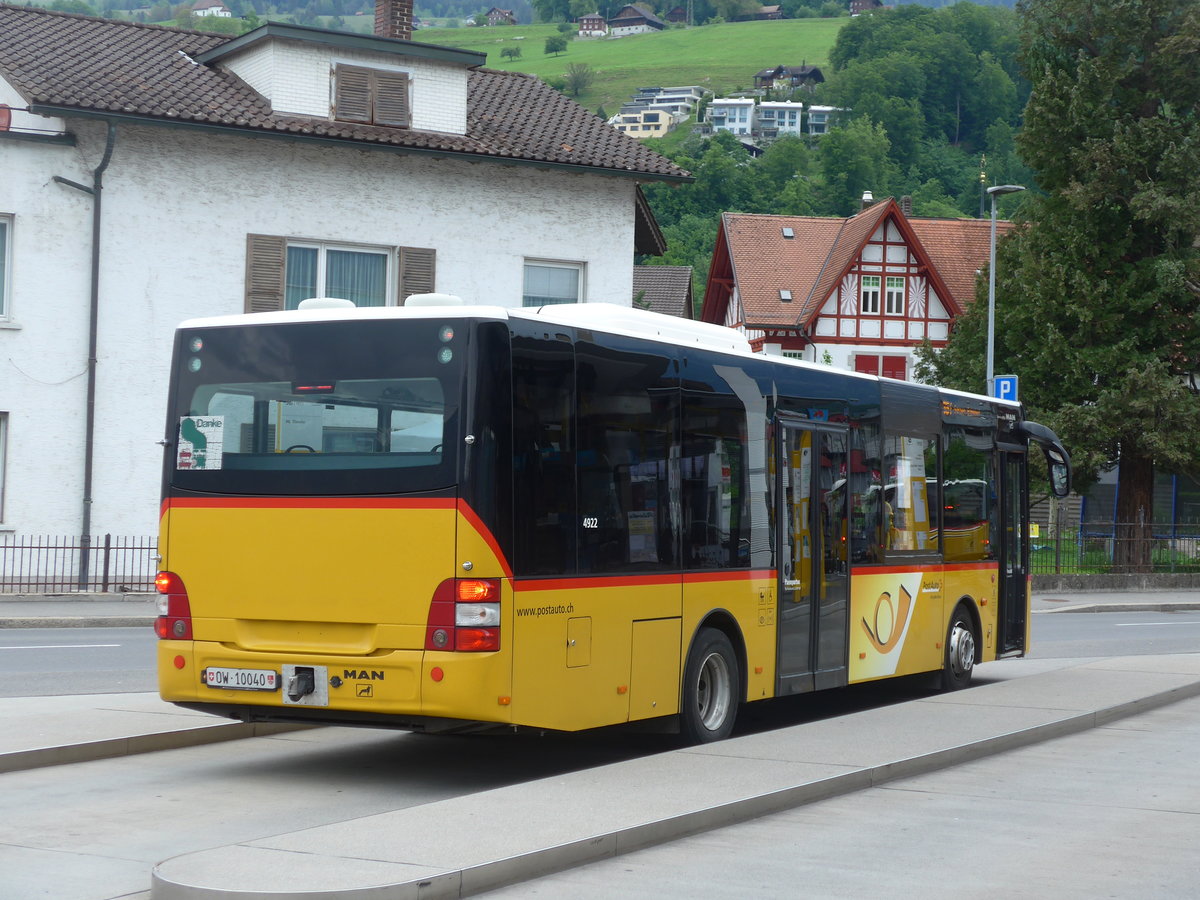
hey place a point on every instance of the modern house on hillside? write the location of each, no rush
(152, 175)
(860, 293)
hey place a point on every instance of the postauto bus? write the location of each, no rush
(447, 517)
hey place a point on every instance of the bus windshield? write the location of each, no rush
(296, 410)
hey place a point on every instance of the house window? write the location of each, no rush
(548, 282)
(818, 123)
(325, 270)
(282, 271)
(870, 294)
(887, 366)
(894, 303)
(371, 96)
(5, 253)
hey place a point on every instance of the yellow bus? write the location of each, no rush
(446, 517)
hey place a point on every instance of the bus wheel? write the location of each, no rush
(960, 652)
(710, 689)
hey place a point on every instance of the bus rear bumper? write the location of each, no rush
(402, 688)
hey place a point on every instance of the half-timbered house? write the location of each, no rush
(859, 293)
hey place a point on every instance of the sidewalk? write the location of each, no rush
(77, 610)
(133, 610)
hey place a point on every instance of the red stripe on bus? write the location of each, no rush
(486, 533)
(595, 581)
(603, 581)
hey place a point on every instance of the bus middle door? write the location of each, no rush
(1012, 616)
(813, 571)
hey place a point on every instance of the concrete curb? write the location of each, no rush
(1169, 606)
(88, 751)
(78, 622)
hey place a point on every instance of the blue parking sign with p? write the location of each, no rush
(1004, 387)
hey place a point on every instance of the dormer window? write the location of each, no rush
(371, 96)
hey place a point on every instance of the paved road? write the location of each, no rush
(43, 662)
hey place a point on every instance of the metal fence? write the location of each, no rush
(1118, 548)
(57, 563)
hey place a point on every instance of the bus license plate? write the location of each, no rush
(241, 679)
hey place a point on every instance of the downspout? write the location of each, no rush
(85, 537)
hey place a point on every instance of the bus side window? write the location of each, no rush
(628, 419)
(968, 494)
(866, 494)
(543, 456)
(910, 520)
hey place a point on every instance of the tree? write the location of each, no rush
(1098, 294)
(579, 77)
(511, 53)
(854, 159)
(556, 44)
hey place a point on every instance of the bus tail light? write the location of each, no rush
(174, 622)
(464, 615)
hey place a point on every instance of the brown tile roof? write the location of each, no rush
(959, 248)
(812, 262)
(668, 289)
(78, 63)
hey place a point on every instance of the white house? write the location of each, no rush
(768, 118)
(211, 8)
(207, 175)
(732, 114)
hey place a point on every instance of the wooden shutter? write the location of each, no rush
(266, 262)
(371, 96)
(391, 99)
(352, 94)
(416, 272)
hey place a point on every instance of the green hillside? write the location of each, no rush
(720, 58)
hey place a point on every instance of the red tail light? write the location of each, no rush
(174, 622)
(464, 615)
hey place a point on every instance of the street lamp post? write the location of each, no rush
(991, 334)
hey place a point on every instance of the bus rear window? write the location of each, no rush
(294, 410)
(344, 424)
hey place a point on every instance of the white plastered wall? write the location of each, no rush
(177, 205)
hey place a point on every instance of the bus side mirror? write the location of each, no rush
(1060, 474)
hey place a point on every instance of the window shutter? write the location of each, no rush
(266, 259)
(391, 99)
(416, 272)
(352, 94)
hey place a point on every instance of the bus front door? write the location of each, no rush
(1014, 554)
(813, 571)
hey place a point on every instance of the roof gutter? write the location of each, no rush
(467, 156)
(89, 441)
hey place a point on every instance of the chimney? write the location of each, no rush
(393, 19)
(906, 206)
(867, 199)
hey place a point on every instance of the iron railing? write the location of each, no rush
(1114, 549)
(57, 563)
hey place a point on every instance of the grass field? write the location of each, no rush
(720, 58)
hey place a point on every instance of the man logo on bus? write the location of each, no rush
(889, 621)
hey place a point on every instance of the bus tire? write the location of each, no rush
(959, 662)
(711, 688)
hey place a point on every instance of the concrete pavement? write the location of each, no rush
(130, 610)
(481, 842)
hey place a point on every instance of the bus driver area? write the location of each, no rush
(446, 517)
